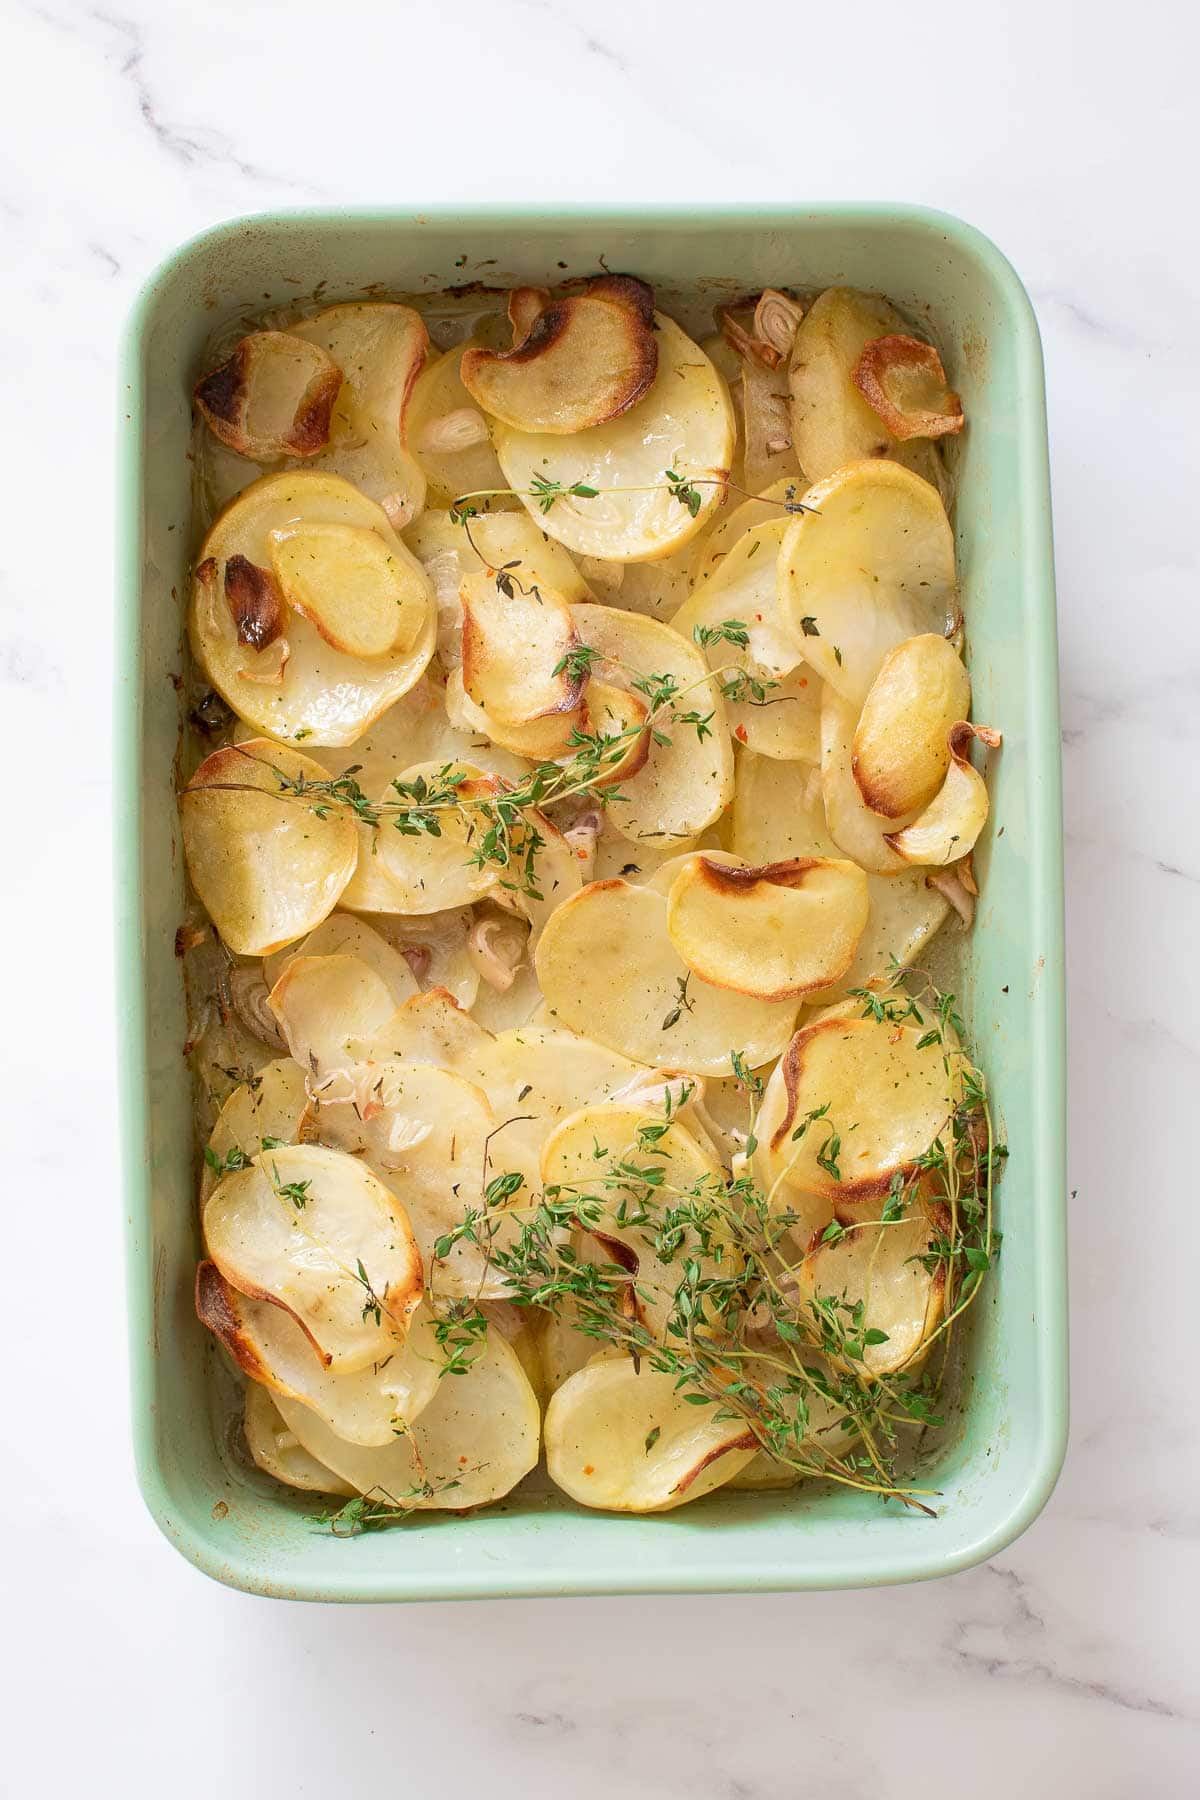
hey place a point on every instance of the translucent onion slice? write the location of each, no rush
(341, 934)
(314, 1231)
(881, 1266)
(901, 749)
(584, 361)
(516, 640)
(778, 931)
(608, 970)
(428, 873)
(319, 694)
(624, 1439)
(948, 828)
(436, 948)
(363, 598)
(683, 424)
(270, 1105)
(368, 1406)
(266, 866)
(871, 565)
(439, 426)
(278, 1452)
(687, 782)
(854, 828)
(472, 1444)
(903, 381)
(535, 1076)
(325, 1004)
(273, 396)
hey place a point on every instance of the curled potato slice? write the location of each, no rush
(869, 565)
(882, 1266)
(256, 639)
(683, 424)
(516, 640)
(266, 866)
(325, 1004)
(450, 547)
(901, 747)
(471, 1445)
(312, 1230)
(608, 970)
(623, 1439)
(342, 934)
(954, 818)
(903, 381)
(777, 932)
(584, 361)
(273, 396)
(854, 828)
(686, 782)
(431, 873)
(270, 1105)
(277, 1450)
(367, 1406)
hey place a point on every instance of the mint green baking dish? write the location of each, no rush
(997, 1467)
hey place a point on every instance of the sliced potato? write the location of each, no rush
(683, 424)
(614, 712)
(316, 692)
(535, 1076)
(901, 749)
(954, 818)
(447, 433)
(367, 1406)
(341, 934)
(270, 1105)
(869, 565)
(431, 873)
(881, 1266)
(777, 931)
(516, 639)
(608, 970)
(471, 1445)
(584, 361)
(437, 948)
(312, 1230)
(904, 383)
(624, 1439)
(363, 599)
(277, 1450)
(273, 396)
(430, 1028)
(728, 526)
(266, 866)
(450, 548)
(657, 589)
(860, 833)
(326, 1003)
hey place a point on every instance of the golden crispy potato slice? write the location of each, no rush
(278, 1452)
(362, 598)
(869, 566)
(270, 1105)
(901, 749)
(267, 659)
(853, 1101)
(857, 831)
(517, 639)
(366, 1406)
(608, 970)
(447, 433)
(315, 1232)
(687, 781)
(954, 818)
(267, 867)
(881, 1266)
(475, 1440)
(272, 396)
(778, 931)
(683, 424)
(342, 934)
(430, 1028)
(325, 1004)
(903, 381)
(624, 1439)
(585, 361)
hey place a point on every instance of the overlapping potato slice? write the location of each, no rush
(584, 361)
(437, 948)
(728, 526)
(870, 565)
(686, 782)
(778, 931)
(430, 873)
(430, 1028)
(277, 1450)
(857, 831)
(903, 381)
(366, 1406)
(883, 1267)
(326, 1004)
(267, 867)
(380, 348)
(342, 934)
(617, 713)
(830, 1432)
(317, 1233)
(472, 1444)
(684, 424)
(272, 396)
(270, 1105)
(901, 748)
(657, 589)
(563, 1349)
(277, 669)
(854, 1100)
(516, 644)
(535, 1076)
(608, 970)
(624, 1439)
(445, 430)
(954, 818)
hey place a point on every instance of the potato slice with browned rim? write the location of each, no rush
(777, 931)
(951, 823)
(585, 360)
(901, 748)
(903, 381)
(272, 396)
(883, 1267)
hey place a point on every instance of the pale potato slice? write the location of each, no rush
(624, 1439)
(778, 931)
(953, 820)
(472, 1444)
(730, 524)
(273, 396)
(363, 599)
(278, 1452)
(608, 970)
(315, 1232)
(267, 660)
(381, 349)
(366, 1406)
(430, 1028)
(325, 1004)
(450, 547)
(887, 1098)
(266, 865)
(903, 381)
(686, 782)
(431, 873)
(860, 833)
(270, 1105)
(585, 361)
(516, 640)
(505, 1009)
(881, 1266)
(869, 565)
(341, 934)
(683, 424)
(447, 433)
(563, 1349)
(901, 748)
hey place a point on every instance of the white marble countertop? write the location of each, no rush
(1065, 133)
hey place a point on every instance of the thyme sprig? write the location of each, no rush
(683, 488)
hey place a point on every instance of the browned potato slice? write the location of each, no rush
(363, 598)
(515, 639)
(612, 712)
(267, 867)
(953, 820)
(776, 932)
(903, 381)
(272, 397)
(857, 831)
(881, 1266)
(901, 748)
(586, 360)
